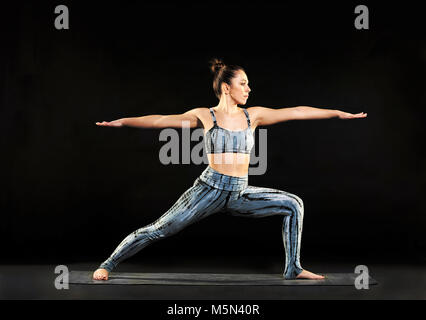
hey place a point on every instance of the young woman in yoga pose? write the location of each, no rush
(223, 185)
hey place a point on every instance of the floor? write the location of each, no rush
(38, 282)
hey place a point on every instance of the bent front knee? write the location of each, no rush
(299, 202)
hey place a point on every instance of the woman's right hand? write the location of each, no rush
(115, 123)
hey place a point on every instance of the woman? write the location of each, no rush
(223, 186)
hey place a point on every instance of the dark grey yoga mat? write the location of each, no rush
(213, 279)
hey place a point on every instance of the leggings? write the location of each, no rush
(215, 192)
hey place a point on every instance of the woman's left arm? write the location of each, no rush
(267, 116)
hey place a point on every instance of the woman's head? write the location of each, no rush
(229, 80)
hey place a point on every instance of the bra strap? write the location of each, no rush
(213, 116)
(247, 116)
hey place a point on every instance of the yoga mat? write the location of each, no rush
(213, 279)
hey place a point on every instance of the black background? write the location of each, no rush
(71, 190)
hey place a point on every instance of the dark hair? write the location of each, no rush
(222, 73)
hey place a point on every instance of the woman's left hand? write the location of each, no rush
(347, 115)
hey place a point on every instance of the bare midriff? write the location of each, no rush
(231, 164)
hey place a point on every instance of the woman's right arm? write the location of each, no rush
(158, 121)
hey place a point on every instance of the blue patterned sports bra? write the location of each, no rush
(221, 140)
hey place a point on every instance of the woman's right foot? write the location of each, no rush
(100, 274)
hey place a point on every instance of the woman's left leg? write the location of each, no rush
(258, 202)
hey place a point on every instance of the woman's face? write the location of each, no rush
(239, 89)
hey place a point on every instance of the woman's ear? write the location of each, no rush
(225, 88)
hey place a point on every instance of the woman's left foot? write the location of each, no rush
(309, 275)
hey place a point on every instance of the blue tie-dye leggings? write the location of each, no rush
(215, 192)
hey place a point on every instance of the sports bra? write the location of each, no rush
(221, 140)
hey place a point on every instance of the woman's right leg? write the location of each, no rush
(196, 203)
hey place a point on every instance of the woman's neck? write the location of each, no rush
(227, 107)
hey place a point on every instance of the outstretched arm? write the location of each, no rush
(267, 116)
(157, 121)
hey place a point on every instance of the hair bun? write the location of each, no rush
(216, 65)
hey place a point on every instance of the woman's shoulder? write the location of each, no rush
(200, 111)
(254, 114)
(254, 109)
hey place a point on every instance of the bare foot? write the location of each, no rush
(100, 274)
(309, 275)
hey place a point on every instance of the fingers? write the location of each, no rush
(354, 116)
(109, 124)
(359, 115)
